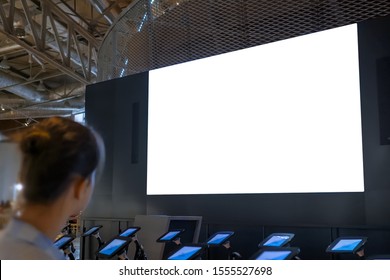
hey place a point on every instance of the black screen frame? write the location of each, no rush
(116, 251)
(177, 235)
(129, 236)
(66, 244)
(269, 237)
(229, 234)
(192, 257)
(358, 247)
(294, 251)
(96, 229)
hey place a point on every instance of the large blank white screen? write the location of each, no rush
(277, 118)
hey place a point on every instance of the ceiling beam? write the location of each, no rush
(82, 68)
(45, 57)
(29, 81)
(70, 22)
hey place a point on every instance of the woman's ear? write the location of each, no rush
(80, 187)
(80, 194)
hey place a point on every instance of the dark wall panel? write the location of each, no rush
(118, 110)
(374, 50)
(100, 115)
(273, 209)
(129, 172)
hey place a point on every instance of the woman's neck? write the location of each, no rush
(49, 219)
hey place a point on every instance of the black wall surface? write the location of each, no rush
(374, 49)
(118, 110)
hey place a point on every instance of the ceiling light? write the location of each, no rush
(2, 107)
(19, 30)
(18, 187)
(27, 123)
(20, 33)
(41, 87)
(4, 64)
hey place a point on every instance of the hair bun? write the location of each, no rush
(35, 142)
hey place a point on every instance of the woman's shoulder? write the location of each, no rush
(10, 249)
(19, 242)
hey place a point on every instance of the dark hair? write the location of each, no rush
(53, 151)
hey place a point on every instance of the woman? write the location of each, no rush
(59, 162)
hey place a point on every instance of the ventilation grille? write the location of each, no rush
(157, 33)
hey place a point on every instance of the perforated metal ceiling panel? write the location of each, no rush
(157, 33)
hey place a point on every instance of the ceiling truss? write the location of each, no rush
(48, 54)
(76, 60)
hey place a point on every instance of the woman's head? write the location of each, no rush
(55, 152)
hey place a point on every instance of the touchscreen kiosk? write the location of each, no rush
(92, 230)
(187, 252)
(129, 232)
(170, 235)
(63, 241)
(346, 245)
(219, 238)
(276, 253)
(112, 248)
(277, 240)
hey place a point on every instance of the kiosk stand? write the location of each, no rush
(139, 250)
(277, 240)
(130, 233)
(99, 239)
(187, 252)
(276, 246)
(65, 244)
(171, 237)
(276, 253)
(348, 245)
(118, 246)
(114, 247)
(93, 231)
(153, 226)
(68, 251)
(123, 255)
(220, 241)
